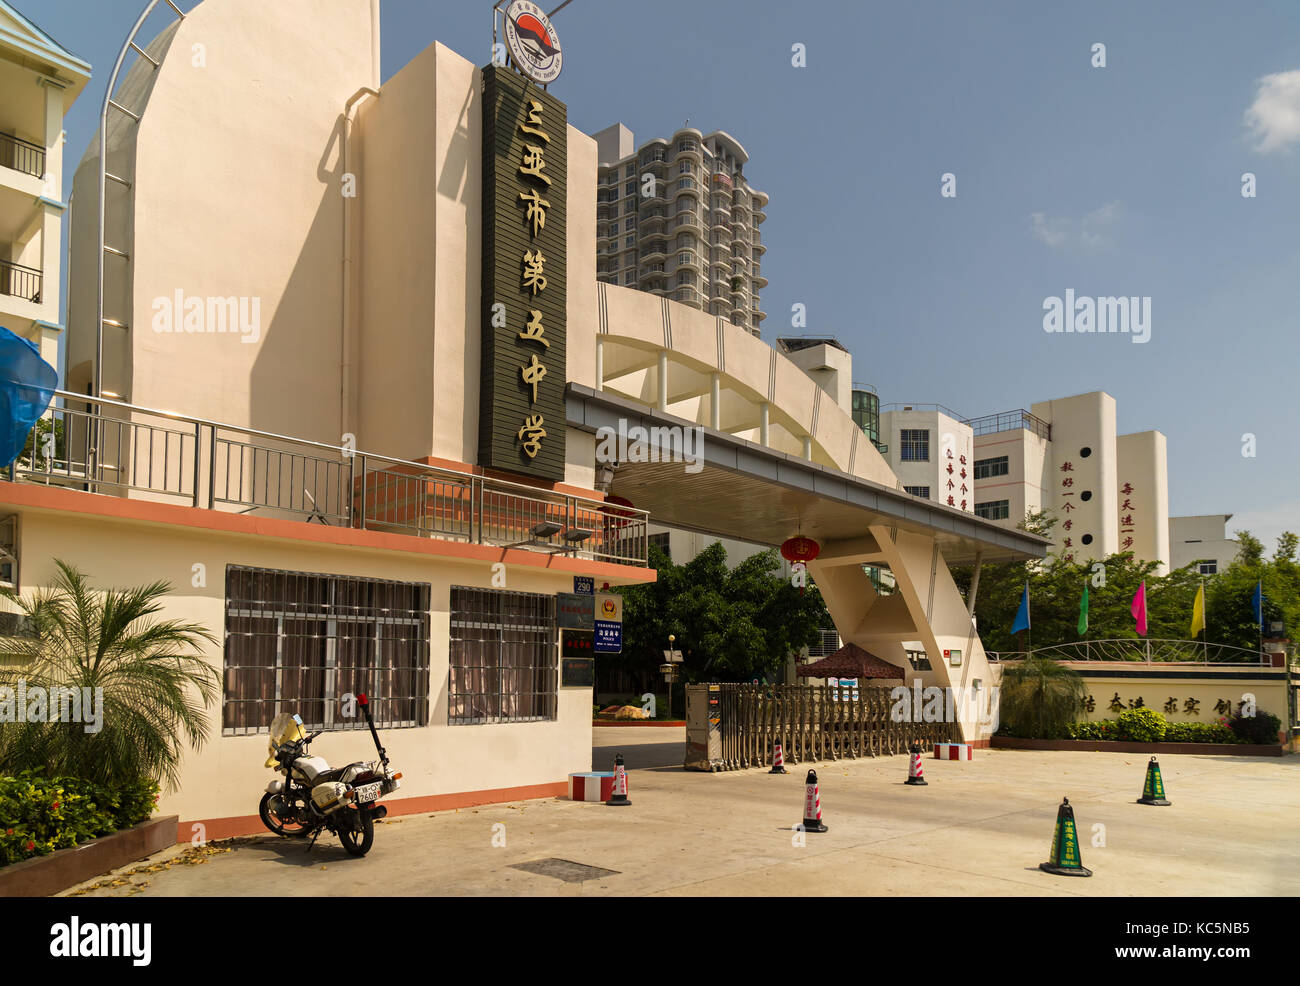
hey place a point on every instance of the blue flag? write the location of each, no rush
(1022, 614)
(1257, 601)
(27, 385)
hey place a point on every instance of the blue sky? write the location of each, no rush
(1122, 180)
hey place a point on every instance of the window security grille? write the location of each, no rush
(503, 656)
(298, 642)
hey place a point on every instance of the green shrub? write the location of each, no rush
(1198, 732)
(1101, 729)
(39, 815)
(1141, 725)
(1262, 727)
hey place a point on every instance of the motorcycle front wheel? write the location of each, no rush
(291, 827)
(357, 841)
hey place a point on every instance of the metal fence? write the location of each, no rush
(22, 155)
(813, 723)
(18, 281)
(1142, 650)
(111, 447)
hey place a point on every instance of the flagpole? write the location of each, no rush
(1205, 620)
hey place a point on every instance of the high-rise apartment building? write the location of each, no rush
(677, 217)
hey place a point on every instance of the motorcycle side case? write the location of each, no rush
(328, 796)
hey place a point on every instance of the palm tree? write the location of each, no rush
(155, 687)
(1040, 698)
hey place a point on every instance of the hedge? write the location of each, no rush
(40, 815)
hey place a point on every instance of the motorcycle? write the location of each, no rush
(315, 797)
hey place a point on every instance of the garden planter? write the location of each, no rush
(43, 876)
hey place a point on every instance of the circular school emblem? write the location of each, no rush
(534, 45)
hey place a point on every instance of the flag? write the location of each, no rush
(27, 385)
(1257, 601)
(1083, 611)
(1022, 614)
(1139, 609)
(1198, 611)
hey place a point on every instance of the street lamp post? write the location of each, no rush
(671, 639)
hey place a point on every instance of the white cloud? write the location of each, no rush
(1089, 231)
(1274, 117)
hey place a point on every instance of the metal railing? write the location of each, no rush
(1144, 651)
(988, 424)
(18, 281)
(115, 448)
(909, 406)
(22, 155)
(812, 723)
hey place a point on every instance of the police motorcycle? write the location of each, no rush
(314, 796)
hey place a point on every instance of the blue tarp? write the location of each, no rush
(27, 385)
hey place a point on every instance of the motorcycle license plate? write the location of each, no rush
(367, 793)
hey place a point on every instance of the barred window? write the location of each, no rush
(988, 468)
(503, 656)
(297, 642)
(922, 491)
(916, 444)
(993, 509)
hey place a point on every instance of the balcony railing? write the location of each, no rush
(22, 155)
(113, 448)
(18, 281)
(1011, 421)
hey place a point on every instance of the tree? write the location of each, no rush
(1039, 698)
(731, 625)
(154, 687)
(1056, 585)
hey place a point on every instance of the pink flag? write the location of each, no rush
(1139, 609)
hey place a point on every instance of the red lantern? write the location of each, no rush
(610, 507)
(800, 549)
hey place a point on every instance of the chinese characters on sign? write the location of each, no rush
(521, 414)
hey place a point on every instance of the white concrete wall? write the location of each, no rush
(1143, 497)
(1086, 421)
(1202, 537)
(227, 778)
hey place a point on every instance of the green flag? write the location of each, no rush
(1083, 611)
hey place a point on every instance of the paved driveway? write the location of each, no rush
(978, 828)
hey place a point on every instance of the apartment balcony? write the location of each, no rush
(122, 450)
(759, 280)
(758, 244)
(685, 219)
(21, 155)
(17, 281)
(654, 251)
(688, 150)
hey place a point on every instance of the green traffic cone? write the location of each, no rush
(1153, 791)
(1065, 859)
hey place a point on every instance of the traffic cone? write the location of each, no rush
(1153, 791)
(778, 760)
(1065, 859)
(915, 775)
(812, 805)
(619, 798)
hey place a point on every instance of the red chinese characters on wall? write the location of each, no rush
(1127, 525)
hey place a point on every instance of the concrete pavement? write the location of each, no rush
(977, 828)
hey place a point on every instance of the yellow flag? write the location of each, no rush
(1198, 611)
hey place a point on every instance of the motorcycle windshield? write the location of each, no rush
(285, 728)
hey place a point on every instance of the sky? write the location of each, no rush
(1117, 180)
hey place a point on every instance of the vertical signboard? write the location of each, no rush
(609, 623)
(525, 184)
